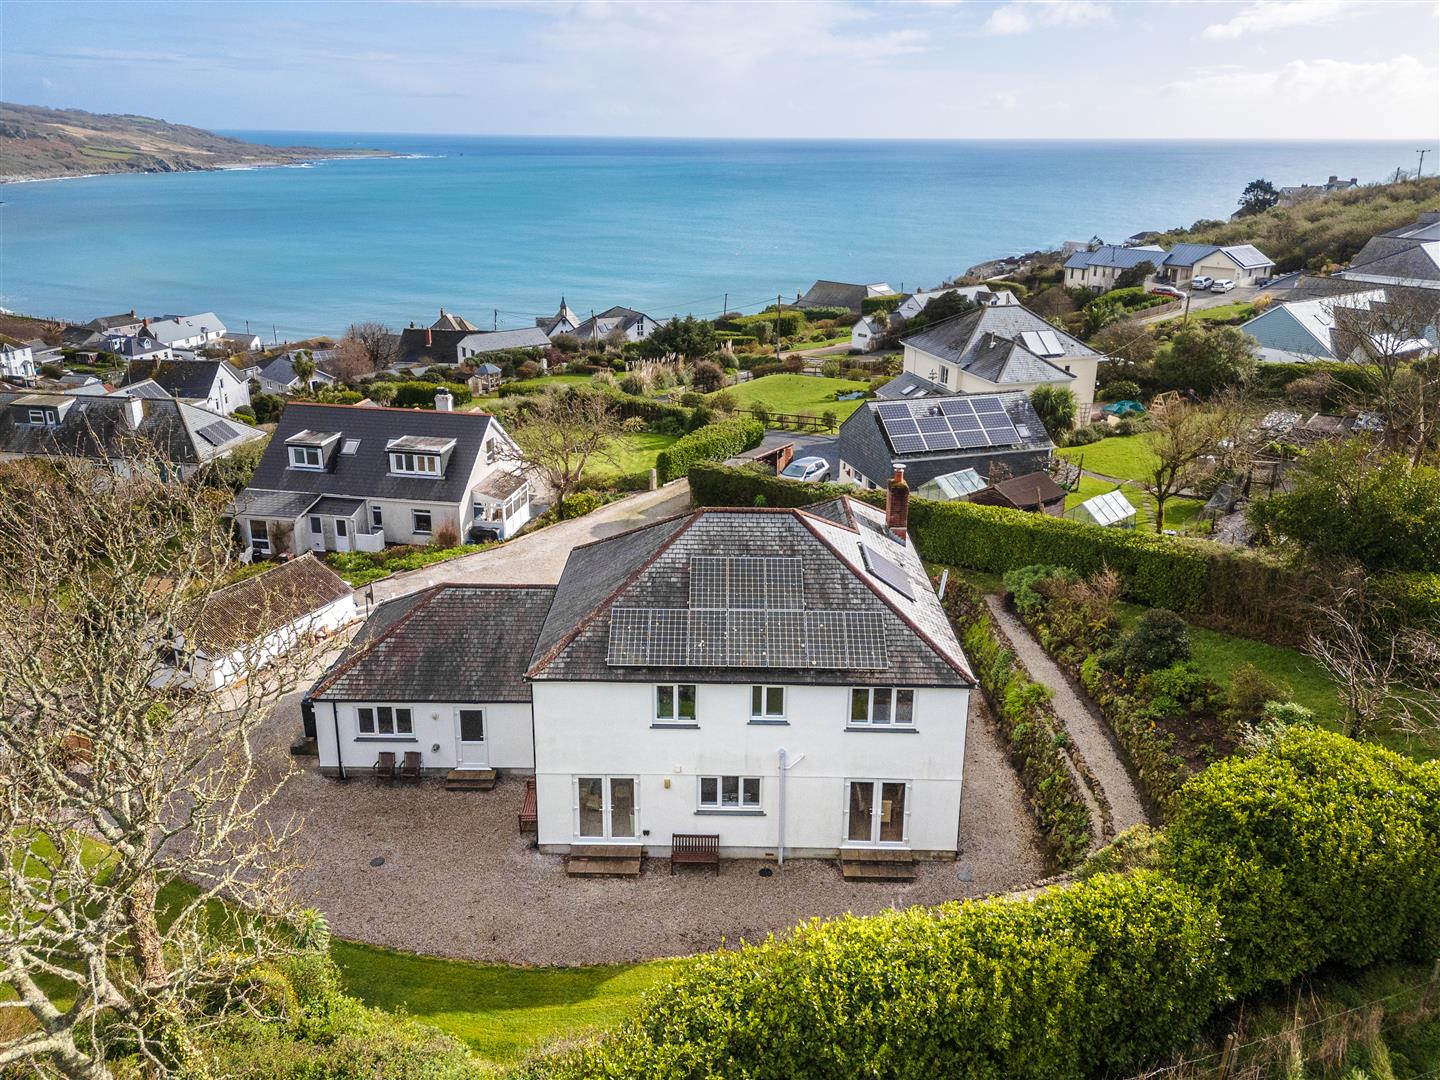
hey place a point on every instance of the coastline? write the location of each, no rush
(233, 166)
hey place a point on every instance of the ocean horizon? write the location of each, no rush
(498, 228)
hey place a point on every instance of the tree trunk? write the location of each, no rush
(146, 947)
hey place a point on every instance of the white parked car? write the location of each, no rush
(809, 469)
(1222, 285)
(1201, 282)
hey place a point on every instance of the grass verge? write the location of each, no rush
(797, 393)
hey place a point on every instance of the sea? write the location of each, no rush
(499, 229)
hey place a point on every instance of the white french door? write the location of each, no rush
(317, 533)
(606, 808)
(877, 812)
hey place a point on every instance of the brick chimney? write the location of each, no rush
(444, 401)
(429, 338)
(897, 504)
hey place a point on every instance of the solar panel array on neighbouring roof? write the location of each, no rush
(660, 637)
(887, 570)
(218, 433)
(746, 582)
(958, 423)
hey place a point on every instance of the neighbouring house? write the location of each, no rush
(1001, 348)
(865, 334)
(82, 384)
(1306, 330)
(278, 376)
(935, 436)
(983, 295)
(909, 385)
(1097, 268)
(493, 341)
(122, 325)
(626, 323)
(82, 338)
(184, 331)
(1289, 196)
(564, 321)
(358, 477)
(1408, 256)
(242, 341)
(137, 348)
(1036, 492)
(840, 294)
(17, 363)
(1109, 509)
(453, 339)
(441, 671)
(213, 384)
(1243, 264)
(181, 437)
(254, 622)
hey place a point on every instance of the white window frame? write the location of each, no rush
(415, 522)
(259, 543)
(876, 781)
(607, 808)
(763, 713)
(409, 463)
(373, 710)
(300, 457)
(891, 697)
(741, 784)
(675, 718)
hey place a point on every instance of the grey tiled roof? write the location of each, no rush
(257, 502)
(530, 337)
(962, 340)
(840, 294)
(250, 609)
(180, 378)
(1115, 256)
(461, 643)
(1000, 361)
(366, 473)
(918, 387)
(650, 568)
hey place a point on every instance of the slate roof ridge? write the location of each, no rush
(935, 647)
(386, 408)
(344, 664)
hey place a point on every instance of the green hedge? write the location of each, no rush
(411, 395)
(1069, 985)
(887, 302)
(714, 442)
(1320, 850)
(790, 322)
(1350, 380)
(1028, 724)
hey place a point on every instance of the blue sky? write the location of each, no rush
(1299, 69)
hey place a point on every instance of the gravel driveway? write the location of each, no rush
(459, 880)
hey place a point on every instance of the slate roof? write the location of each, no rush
(968, 341)
(864, 445)
(281, 369)
(258, 502)
(1243, 255)
(841, 294)
(248, 610)
(1113, 255)
(529, 337)
(366, 473)
(177, 327)
(184, 379)
(463, 643)
(448, 320)
(1399, 262)
(93, 427)
(442, 347)
(610, 320)
(110, 322)
(650, 567)
(909, 385)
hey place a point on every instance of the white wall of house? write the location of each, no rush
(229, 392)
(17, 362)
(955, 378)
(436, 735)
(608, 729)
(1220, 265)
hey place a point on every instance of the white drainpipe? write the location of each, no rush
(780, 806)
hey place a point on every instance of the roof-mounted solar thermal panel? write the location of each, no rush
(1050, 343)
(887, 570)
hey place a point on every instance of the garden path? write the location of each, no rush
(1082, 723)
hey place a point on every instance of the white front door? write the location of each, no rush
(471, 751)
(317, 533)
(342, 534)
(877, 812)
(606, 808)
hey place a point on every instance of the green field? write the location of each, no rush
(634, 452)
(500, 1012)
(1125, 457)
(797, 393)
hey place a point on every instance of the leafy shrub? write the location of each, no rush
(1020, 584)
(1318, 850)
(1158, 639)
(580, 503)
(245, 413)
(1137, 848)
(1250, 691)
(888, 302)
(419, 394)
(1121, 390)
(714, 442)
(267, 407)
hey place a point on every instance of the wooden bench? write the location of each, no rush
(529, 814)
(695, 849)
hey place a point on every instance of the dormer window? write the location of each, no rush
(311, 449)
(415, 455)
(307, 457)
(415, 464)
(42, 417)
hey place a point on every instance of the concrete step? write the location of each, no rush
(876, 855)
(869, 864)
(604, 860)
(470, 779)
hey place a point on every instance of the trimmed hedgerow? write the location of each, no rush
(886, 302)
(713, 442)
(1029, 726)
(1319, 849)
(1071, 984)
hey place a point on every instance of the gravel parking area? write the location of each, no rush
(459, 880)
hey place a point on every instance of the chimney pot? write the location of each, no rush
(897, 504)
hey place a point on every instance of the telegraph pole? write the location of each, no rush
(1421, 169)
(727, 305)
(494, 318)
(777, 328)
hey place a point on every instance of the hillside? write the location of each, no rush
(1319, 233)
(38, 143)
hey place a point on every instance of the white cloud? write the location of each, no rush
(1017, 17)
(1000, 99)
(1266, 15)
(1391, 99)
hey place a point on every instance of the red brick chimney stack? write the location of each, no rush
(897, 504)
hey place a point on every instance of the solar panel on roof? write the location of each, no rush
(218, 433)
(969, 440)
(965, 423)
(655, 637)
(891, 412)
(941, 440)
(746, 582)
(904, 426)
(887, 570)
(1050, 343)
(986, 405)
(933, 423)
(908, 444)
(956, 408)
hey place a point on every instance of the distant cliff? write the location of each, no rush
(39, 143)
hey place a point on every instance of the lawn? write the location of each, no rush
(797, 393)
(634, 452)
(1125, 457)
(1180, 514)
(499, 1012)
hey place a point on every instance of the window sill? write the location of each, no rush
(903, 730)
(386, 738)
(712, 812)
(682, 726)
(761, 721)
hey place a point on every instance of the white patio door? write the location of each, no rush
(342, 534)
(317, 533)
(877, 812)
(606, 808)
(471, 749)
